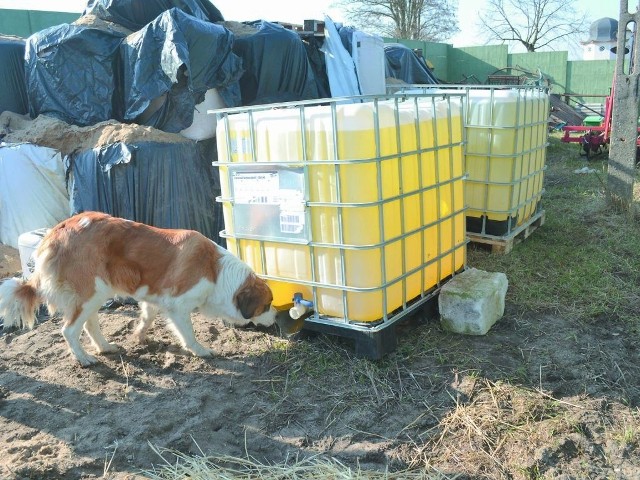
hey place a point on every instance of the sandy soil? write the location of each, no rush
(536, 396)
(9, 261)
(53, 133)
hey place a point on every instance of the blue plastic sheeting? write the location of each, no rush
(168, 185)
(71, 74)
(180, 56)
(135, 14)
(403, 63)
(276, 66)
(13, 94)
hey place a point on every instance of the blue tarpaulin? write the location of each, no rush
(135, 14)
(72, 74)
(404, 64)
(168, 185)
(13, 94)
(276, 66)
(179, 56)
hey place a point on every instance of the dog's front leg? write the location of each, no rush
(180, 323)
(92, 328)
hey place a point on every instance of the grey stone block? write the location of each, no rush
(471, 302)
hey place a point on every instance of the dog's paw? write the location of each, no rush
(108, 348)
(200, 351)
(140, 337)
(86, 360)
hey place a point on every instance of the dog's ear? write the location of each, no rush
(252, 297)
(247, 303)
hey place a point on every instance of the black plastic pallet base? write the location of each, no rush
(372, 345)
(376, 342)
(491, 227)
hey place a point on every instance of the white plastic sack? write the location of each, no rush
(32, 190)
(343, 81)
(204, 124)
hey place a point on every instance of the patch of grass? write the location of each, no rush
(628, 433)
(583, 262)
(309, 359)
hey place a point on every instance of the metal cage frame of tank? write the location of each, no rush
(408, 305)
(513, 224)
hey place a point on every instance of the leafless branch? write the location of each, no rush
(433, 20)
(535, 24)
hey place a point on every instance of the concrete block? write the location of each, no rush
(472, 301)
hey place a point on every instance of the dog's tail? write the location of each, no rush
(19, 301)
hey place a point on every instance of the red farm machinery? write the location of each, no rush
(593, 136)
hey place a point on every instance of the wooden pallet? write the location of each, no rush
(504, 245)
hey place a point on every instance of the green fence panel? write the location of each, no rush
(553, 66)
(23, 23)
(437, 54)
(478, 62)
(592, 77)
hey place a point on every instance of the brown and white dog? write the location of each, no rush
(91, 257)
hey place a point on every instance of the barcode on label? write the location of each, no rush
(291, 222)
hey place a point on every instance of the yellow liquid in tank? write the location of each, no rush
(504, 135)
(365, 226)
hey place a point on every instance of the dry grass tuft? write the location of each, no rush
(474, 433)
(180, 466)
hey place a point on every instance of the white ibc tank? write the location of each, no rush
(383, 219)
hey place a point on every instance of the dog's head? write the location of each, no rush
(253, 300)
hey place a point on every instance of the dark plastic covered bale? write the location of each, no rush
(13, 94)
(319, 66)
(404, 64)
(135, 14)
(176, 58)
(277, 68)
(72, 74)
(167, 185)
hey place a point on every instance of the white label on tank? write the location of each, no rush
(256, 188)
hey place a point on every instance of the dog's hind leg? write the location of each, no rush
(147, 313)
(74, 322)
(92, 327)
(180, 323)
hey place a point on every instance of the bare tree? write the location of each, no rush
(536, 24)
(433, 20)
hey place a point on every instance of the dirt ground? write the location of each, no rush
(536, 398)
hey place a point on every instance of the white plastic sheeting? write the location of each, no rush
(32, 190)
(341, 70)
